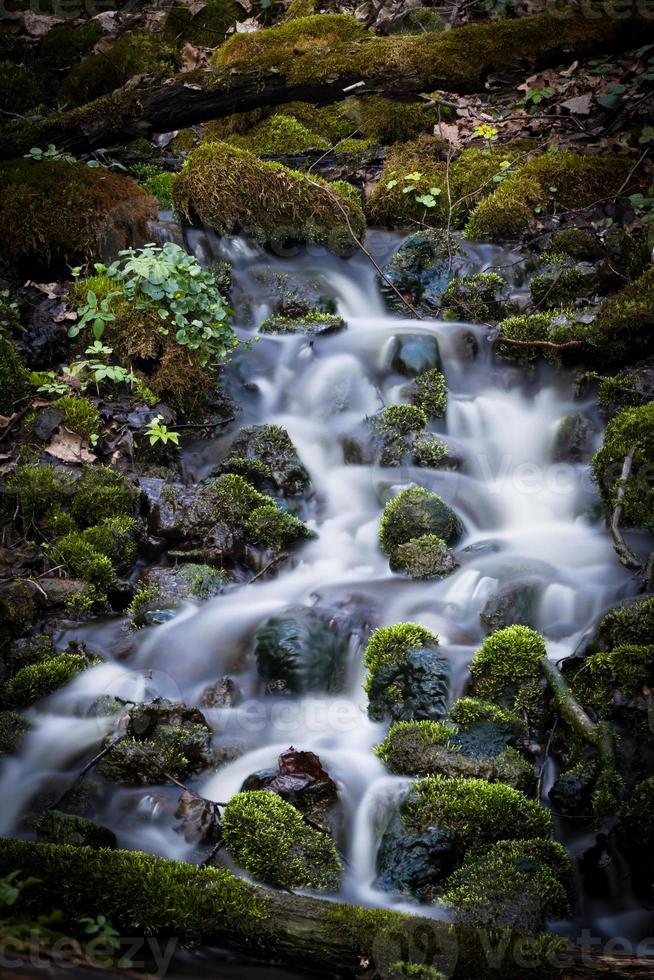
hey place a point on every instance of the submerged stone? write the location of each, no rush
(304, 648)
(414, 354)
(413, 689)
(420, 270)
(266, 454)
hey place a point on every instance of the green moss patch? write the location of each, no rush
(631, 429)
(39, 680)
(413, 513)
(230, 189)
(507, 667)
(390, 645)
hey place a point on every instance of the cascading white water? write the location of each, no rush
(522, 513)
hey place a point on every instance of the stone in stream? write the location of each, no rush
(413, 513)
(573, 440)
(413, 354)
(425, 557)
(306, 648)
(407, 679)
(512, 604)
(55, 827)
(265, 455)
(300, 779)
(420, 270)
(441, 820)
(312, 324)
(160, 737)
(223, 693)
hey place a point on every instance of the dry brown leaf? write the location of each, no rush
(579, 106)
(194, 6)
(193, 57)
(69, 447)
(449, 132)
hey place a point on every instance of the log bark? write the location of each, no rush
(459, 60)
(145, 895)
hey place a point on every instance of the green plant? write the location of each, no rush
(643, 205)
(53, 386)
(101, 929)
(157, 432)
(411, 181)
(534, 96)
(52, 153)
(97, 314)
(170, 282)
(99, 368)
(11, 886)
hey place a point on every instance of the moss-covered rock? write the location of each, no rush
(428, 748)
(630, 388)
(385, 121)
(478, 299)
(636, 833)
(506, 669)
(557, 179)
(573, 440)
(53, 212)
(424, 557)
(632, 622)
(623, 331)
(312, 324)
(429, 392)
(280, 135)
(55, 827)
(631, 429)
(189, 581)
(230, 189)
(615, 684)
(414, 513)
(406, 678)
(441, 820)
(302, 34)
(561, 282)
(38, 497)
(420, 269)
(38, 680)
(221, 516)
(17, 609)
(162, 737)
(79, 414)
(133, 53)
(83, 561)
(515, 885)
(269, 838)
(579, 243)
(265, 455)
(392, 433)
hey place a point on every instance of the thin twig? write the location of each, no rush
(87, 768)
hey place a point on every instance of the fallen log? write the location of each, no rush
(145, 895)
(459, 60)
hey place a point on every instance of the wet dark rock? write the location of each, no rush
(46, 421)
(223, 693)
(415, 689)
(306, 648)
(160, 738)
(55, 827)
(414, 863)
(313, 324)
(300, 779)
(573, 441)
(265, 455)
(199, 819)
(412, 354)
(514, 604)
(420, 270)
(630, 622)
(182, 582)
(297, 296)
(571, 794)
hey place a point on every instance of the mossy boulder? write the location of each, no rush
(581, 244)
(414, 513)
(265, 455)
(53, 213)
(514, 604)
(230, 189)
(476, 299)
(427, 748)
(279, 135)
(420, 270)
(17, 609)
(133, 53)
(556, 179)
(630, 388)
(391, 434)
(270, 839)
(573, 440)
(506, 669)
(424, 557)
(189, 581)
(161, 737)
(55, 827)
(385, 121)
(630, 430)
(517, 885)
(632, 622)
(37, 681)
(312, 324)
(442, 819)
(406, 677)
(221, 517)
(428, 391)
(302, 650)
(561, 282)
(314, 34)
(615, 684)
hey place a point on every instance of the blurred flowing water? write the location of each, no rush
(524, 516)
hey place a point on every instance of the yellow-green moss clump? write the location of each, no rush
(507, 667)
(312, 34)
(607, 682)
(548, 182)
(391, 645)
(269, 838)
(208, 27)
(385, 121)
(279, 135)
(414, 513)
(135, 53)
(516, 884)
(631, 429)
(230, 189)
(421, 166)
(52, 212)
(36, 681)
